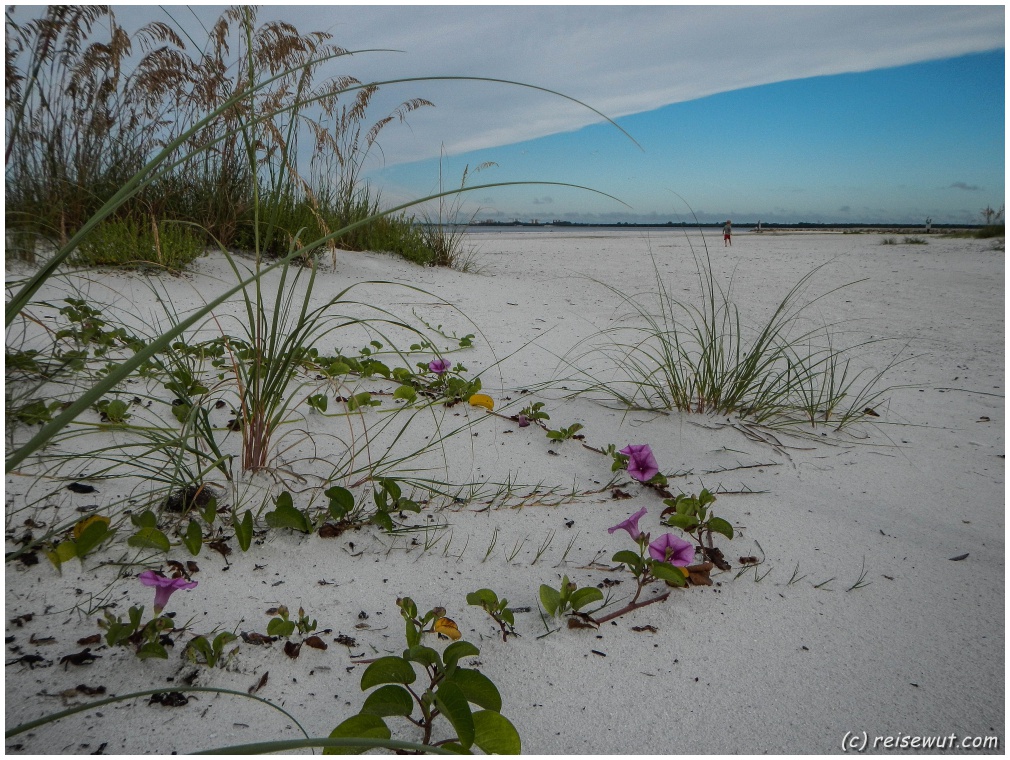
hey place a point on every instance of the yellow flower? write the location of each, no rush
(446, 627)
(479, 399)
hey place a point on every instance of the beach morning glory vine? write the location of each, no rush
(659, 560)
(163, 587)
(439, 366)
(642, 465)
(675, 551)
(631, 524)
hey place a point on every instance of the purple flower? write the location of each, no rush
(642, 464)
(524, 421)
(669, 548)
(630, 525)
(439, 366)
(164, 587)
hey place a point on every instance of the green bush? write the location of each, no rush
(125, 242)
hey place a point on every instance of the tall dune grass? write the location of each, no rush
(82, 120)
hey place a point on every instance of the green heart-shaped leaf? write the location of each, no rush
(550, 599)
(280, 627)
(454, 706)
(387, 670)
(718, 525)
(627, 557)
(146, 519)
(358, 727)
(477, 688)
(286, 516)
(584, 596)
(495, 735)
(669, 573)
(457, 650)
(406, 393)
(149, 538)
(481, 597)
(682, 521)
(423, 655)
(193, 537)
(152, 649)
(388, 700)
(244, 530)
(341, 501)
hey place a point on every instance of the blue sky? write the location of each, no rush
(890, 145)
(858, 113)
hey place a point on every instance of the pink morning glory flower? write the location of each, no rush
(669, 548)
(630, 525)
(642, 464)
(163, 587)
(439, 366)
(524, 421)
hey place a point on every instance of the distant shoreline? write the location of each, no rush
(896, 227)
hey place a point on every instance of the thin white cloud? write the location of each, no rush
(621, 60)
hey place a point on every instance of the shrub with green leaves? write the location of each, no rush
(146, 639)
(203, 650)
(282, 625)
(569, 598)
(389, 498)
(565, 434)
(664, 560)
(692, 515)
(446, 689)
(497, 608)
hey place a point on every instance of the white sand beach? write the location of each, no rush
(877, 609)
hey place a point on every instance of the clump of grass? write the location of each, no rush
(889, 241)
(861, 581)
(126, 242)
(443, 235)
(703, 358)
(916, 241)
(991, 231)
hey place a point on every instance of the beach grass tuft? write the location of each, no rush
(704, 358)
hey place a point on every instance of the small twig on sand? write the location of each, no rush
(742, 467)
(968, 390)
(629, 608)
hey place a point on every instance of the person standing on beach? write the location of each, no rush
(727, 234)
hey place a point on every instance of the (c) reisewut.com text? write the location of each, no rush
(860, 741)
